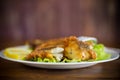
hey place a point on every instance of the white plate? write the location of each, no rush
(114, 52)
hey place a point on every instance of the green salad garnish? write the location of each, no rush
(101, 54)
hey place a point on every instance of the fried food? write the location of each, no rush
(78, 50)
(70, 48)
(44, 49)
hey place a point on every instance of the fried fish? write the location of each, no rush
(68, 47)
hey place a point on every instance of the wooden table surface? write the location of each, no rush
(17, 71)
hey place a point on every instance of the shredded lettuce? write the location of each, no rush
(101, 54)
(68, 60)
(43, 60)
(49, 60)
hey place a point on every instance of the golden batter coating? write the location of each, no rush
(78, 50)
(73, 49)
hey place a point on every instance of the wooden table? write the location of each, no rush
(17, 71)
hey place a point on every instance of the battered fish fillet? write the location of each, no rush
(44, 49)
(78, 50)
(73, 49)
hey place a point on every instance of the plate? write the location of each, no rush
(113, 51)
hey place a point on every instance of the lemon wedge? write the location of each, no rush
(16, 53)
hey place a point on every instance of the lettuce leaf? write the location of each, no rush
(65, 60)
(101, 54)
(38, 59)
(49, 60)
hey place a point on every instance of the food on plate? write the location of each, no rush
(67, 49)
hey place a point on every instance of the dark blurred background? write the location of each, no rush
(25, 20)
